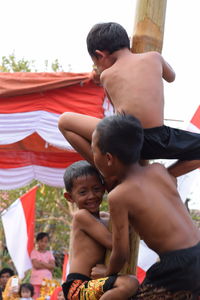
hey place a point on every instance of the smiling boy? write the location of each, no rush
(90, 238)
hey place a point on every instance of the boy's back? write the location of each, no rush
(155, 209)
(135, 86)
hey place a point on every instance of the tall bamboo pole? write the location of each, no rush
(149, 26)
(147, 36)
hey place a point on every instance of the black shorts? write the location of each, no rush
(78, 286)
(176, 271)
(170, 143)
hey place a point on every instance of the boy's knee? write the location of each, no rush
(127, 283)
(64, 120)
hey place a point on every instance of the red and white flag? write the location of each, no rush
(65, 269)
(18, 223)
(146, 258)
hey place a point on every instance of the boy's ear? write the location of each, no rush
(100, 54)
(68, 197)
(109, 159)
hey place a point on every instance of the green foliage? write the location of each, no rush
(11, 64)
(53, 215)
(56, 66)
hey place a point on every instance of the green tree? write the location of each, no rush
(53, 215)
(11, 64)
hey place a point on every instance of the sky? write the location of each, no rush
(42, 30)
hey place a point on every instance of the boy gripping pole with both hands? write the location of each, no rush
(134, 84)
(90, 238)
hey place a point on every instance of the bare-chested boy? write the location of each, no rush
(134, 84)
(90, 238)
(147, 198)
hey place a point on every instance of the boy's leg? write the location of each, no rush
(182, 167)
(124, 287)
(78, 129)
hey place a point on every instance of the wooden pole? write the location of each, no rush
(149, 26)
(147, 36)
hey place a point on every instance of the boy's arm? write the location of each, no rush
(120, 235)
(50, 265)
(78, 129)
(37, 264)
(93, 227)
(181, 167)
(168, 73)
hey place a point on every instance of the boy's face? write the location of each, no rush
(100, 160)
(3, 279)
(87, 193)
(25, 293)
(43, 243)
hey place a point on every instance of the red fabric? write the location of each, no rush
(64, 269)
(32, 151)
(16, 159)
(20, 83)
(140, 274)
(42, 91)
(196, 118)
(86, 99)
(57, 290)
(28, 204)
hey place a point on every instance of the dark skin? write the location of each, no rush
(3, 279)
(138, 80)
(78, 129)
(147, 199)
(90, 237)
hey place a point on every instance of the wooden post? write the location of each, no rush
(149, 26)
(147, 36)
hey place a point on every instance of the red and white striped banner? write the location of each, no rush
(19, 223)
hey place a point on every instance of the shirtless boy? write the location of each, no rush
(147, 198)
(134, 84)
(90, 238)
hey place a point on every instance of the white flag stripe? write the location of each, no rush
(146, 257)
(15, 229)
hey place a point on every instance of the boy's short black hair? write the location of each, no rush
(7, 270)
(41, 235)
(122, 136)
(79, 169)
(107, 36)
(27, 286)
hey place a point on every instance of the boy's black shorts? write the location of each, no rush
(170, 143)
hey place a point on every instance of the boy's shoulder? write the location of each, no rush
(135, 181)
(81, 213)
(82, 217)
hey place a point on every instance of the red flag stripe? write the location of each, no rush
(140, 274)
(64, 269)
(196, 118)
(28, 204)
